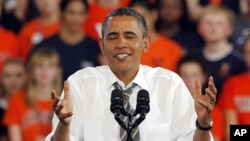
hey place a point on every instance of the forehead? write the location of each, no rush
(213, 16)
(75, 5)
(191, 66)
(13, 64)
(122, 24)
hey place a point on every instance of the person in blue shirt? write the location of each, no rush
(76, 50)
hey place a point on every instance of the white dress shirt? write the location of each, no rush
(171, 117)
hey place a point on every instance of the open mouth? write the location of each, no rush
(122, 55)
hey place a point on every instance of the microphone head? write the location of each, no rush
(116, 101)
(117, 96)
(143, 102)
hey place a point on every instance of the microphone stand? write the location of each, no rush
(134, 125)
(130, 126)
(129, 130)
(121, 123)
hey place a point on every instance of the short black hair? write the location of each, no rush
(192, 57)
(65, 3)
(126, 11)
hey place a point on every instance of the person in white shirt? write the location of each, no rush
(82, 113)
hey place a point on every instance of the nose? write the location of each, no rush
(121, 42)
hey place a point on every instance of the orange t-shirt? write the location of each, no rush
(236, 96)
(218, 123)
(215, 2)
(9, 47)
(96, 15)
(34, 122)
(163, 52)
(33, 33)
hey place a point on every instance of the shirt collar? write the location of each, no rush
(139, 79)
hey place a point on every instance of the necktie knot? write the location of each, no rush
(126, 92)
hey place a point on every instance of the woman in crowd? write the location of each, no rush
(28, 116)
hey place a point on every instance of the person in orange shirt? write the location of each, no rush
(235, 95)
(163, 52)
(40, 28)
(28, 116)
(12, 80)
(9, 47)
(98, 9)
(191, 68)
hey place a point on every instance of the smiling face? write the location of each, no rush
(123, 44)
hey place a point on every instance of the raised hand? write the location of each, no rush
(63, 107)
(204, 103)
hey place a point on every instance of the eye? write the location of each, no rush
(112, 36)
(130, 35)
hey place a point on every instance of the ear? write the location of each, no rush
(147, 43)
(101, 45)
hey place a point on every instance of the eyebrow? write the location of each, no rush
(112, 33)
(130, 32)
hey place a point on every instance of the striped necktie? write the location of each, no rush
(127, 106)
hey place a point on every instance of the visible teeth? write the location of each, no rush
(122, 55)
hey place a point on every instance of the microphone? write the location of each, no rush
(116, 106)
(142, 106)
(117, 102)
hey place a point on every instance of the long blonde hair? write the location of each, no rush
(38, 57)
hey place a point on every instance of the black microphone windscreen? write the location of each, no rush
(142, 102)
(143, 96)
(116, 101)
(116, 96)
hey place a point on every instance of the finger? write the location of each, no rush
(211, 96)
(211, 78)
(55, 98)
(66, 90)
(197, 88)
(53, 95)
(212, 87)
(208, 106)
(65, 115)
(58, 109)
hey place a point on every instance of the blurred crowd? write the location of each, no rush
(42, 42)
